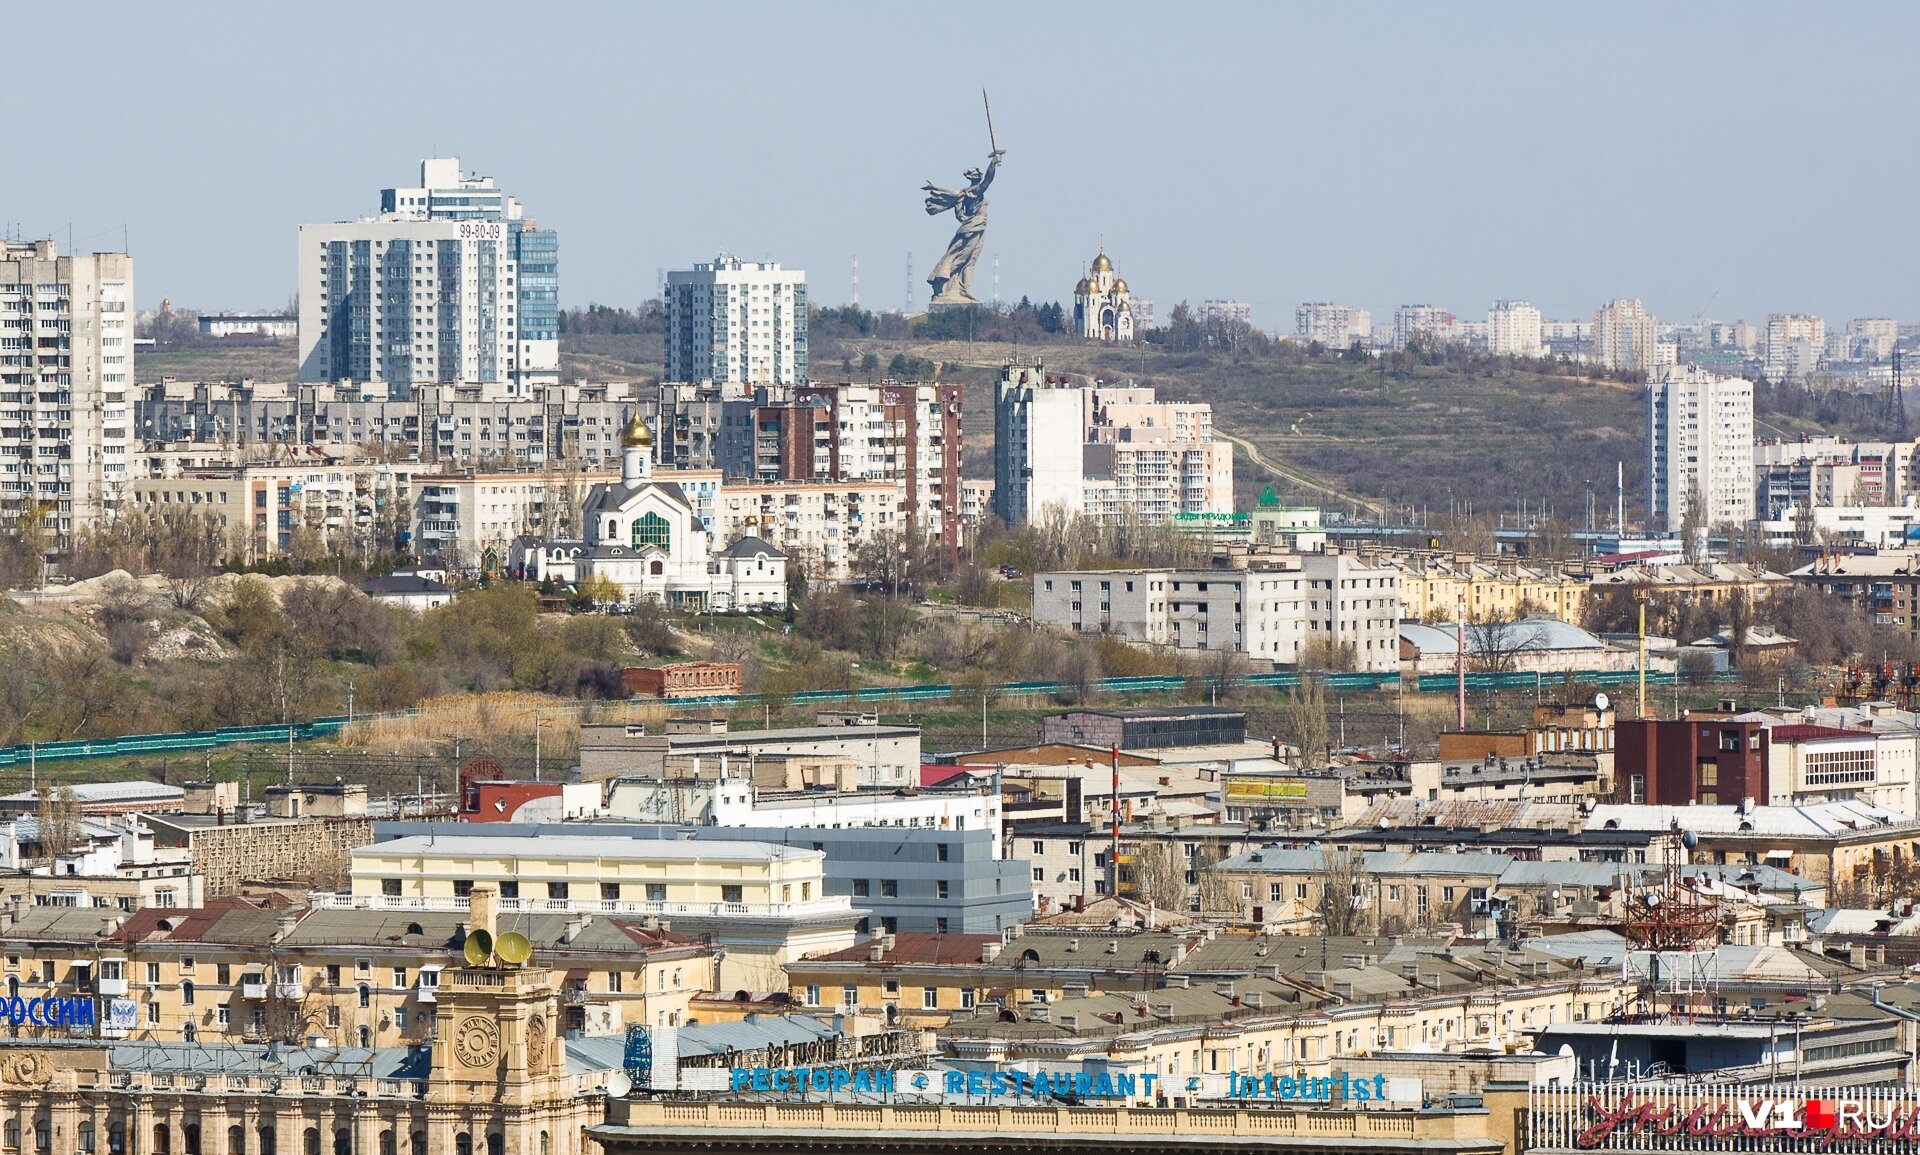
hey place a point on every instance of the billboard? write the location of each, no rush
(1262, 789)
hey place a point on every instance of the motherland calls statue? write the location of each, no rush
(952, 277)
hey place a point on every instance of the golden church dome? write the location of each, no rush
(1120, 285)
(1085, 286)
(1101, 264)
(636, 435)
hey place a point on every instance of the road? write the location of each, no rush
(1305, 481)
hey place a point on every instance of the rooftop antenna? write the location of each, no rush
(856, 280)
(908, 307)
(996, 288)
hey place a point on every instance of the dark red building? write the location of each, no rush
(1703, 758)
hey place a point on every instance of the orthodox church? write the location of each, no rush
(644, 536)
(1102, 307)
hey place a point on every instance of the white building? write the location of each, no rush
(1109, 453)
(1102, 307)
(1794, 346)
(1335, 326)
(1513, 329)
(450, 282)
(737, 321)
(1871, 338)
(1429, 322)
(66, 368)
(1269, 613)
(645, 537)
(1222, 309)
(278, 326)
(728, 797)
(1625, 336)
(1699, 442)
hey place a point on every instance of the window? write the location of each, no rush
(153, 973)
(1420, 901)
(732, 893)
(399, 978)
(862, 888)
(153, 1014)
(1039, 875)
(366, 996)
(610, 892)
(1446, 895)
(390, 887)
(333, 1016)
(849, 997)
(463, 888)
(889, 888)
(510, 889)
(652, 529)
(333, 974)
(556, 890)
(1039, 847)
(400, 1019)
(966, 998)
(656, 892)
(940, 850)
(940, 888)
(186, 993)
(929, 999)
(1709, 773)
(813, 996)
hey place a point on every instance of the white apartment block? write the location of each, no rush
(737, 321)
(1354, 602)
(66, 369)
(1215, 309)
(1430, 322)
(1268, 613)
(493, 425)
(1625, 337)
(343, 505)
(1335, 326)
(448, 283)
(1105, 452)
(1699, 439)
(1513, 329)
(1871, 338)
(819, 525)
(1794, 346)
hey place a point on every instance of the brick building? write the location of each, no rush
(1706, 759)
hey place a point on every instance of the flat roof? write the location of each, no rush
(582, 847)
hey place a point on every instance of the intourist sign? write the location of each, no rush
(48, 1012)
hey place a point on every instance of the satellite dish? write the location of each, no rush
(513, 948)
(479, 947)
(619, 1085)
(1689, 839)
(1601, 701)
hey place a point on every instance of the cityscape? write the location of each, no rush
(1359, 593)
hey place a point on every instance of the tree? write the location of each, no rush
(600, 590)
(59, 821)
(1158, 878)
(1499, 643)
(1345, 887)
(1303, 722)
(1693, 523)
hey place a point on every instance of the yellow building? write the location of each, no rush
(1433, 586)
(762, 904)
(236, 972)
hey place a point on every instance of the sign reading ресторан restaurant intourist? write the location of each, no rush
(1725, 1117)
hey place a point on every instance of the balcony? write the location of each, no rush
(253, 986)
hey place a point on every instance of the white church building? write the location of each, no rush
(1102, 306)
(643, 535)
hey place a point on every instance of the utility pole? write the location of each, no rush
(1460, 663)
(1641, 597)
(1113, 852)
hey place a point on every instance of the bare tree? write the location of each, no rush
(1158, 878)
(59, 821)
(1304, 725)
(1344, 888)
(1500, 643)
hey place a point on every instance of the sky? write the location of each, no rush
(1725, 159)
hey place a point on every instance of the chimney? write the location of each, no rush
(1343, 990)
(483, 909)
(284, 925)
(989, 952)
(1316, 979)
(1410, 972)
(877, 952)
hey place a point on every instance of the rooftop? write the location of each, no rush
(577, 848)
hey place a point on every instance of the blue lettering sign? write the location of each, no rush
(47, 1012)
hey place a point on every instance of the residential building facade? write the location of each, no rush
(1699, 449)
(1625, 337)
(66, 380)
(1331, 325)
(1795, 346)
(731, 320)
(450, 282)
(1513, 329)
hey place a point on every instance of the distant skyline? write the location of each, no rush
(1734, 159)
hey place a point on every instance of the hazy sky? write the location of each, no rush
(1760, 157)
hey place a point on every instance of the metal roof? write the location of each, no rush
(575, 847)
